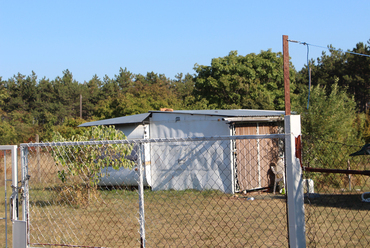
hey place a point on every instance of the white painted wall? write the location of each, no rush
(132, 131)
(186, 165)
(125, 176)
(174, 125)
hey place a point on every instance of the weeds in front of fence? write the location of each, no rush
(77, 195)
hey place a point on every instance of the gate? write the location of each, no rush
(18, 226)
(179, 208)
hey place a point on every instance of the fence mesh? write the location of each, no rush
(336, 215)
(197, 192)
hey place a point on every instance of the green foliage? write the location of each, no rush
(3, 93)
(251, 81)
(87, 161)
(329, 117)
(366, 129)
(69, 128)
(30, 106)
(7, 133)
(357, 77)
(351, 72)
(91, 95)
(329, 122)
(24, 125)
(17, 127)
(151, 92)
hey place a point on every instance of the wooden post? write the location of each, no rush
(81, 106)
(286, 74)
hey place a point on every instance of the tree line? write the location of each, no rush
(339, 94)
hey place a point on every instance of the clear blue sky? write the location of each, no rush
(166, 37)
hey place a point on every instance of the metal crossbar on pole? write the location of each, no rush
(337, 171)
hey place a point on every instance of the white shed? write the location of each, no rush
(177, 165)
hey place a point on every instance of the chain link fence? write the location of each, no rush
(336, 209)
(194, 192)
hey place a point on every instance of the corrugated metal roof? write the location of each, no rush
(119, 120)
(224, 112)
(227, 112)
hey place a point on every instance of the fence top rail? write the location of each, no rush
(8, 147)
(159, 140)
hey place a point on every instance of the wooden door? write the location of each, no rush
(254, 156)
(246, 158)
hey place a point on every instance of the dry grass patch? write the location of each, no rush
(173, 218)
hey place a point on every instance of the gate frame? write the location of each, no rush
(18, 226)
(294, 180)
(295, 196)
(5, 203)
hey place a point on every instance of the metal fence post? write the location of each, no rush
(296, 218)
(6, 203)
(14, 183)
(141, 197)
(25, 188)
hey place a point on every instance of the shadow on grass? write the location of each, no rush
(343, 201)
(42, 203)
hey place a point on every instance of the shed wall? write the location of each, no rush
(132, 131)
(184, 165)
(124, 176)
(168, 125)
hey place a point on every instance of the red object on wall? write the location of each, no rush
(298, 149)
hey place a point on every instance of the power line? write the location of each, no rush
(330, 49)
(309, 77)
(308, 64)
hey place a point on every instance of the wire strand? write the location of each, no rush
(330, 49)
(308, 64)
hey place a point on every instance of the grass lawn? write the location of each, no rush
(110, 217)
(173, 218)
(190, 218)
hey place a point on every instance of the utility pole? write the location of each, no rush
(286, 74)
